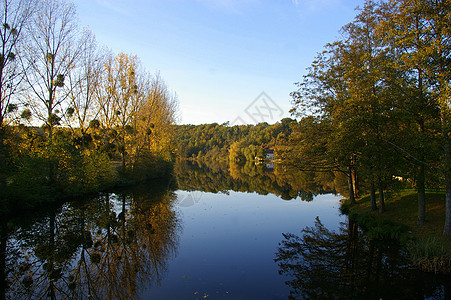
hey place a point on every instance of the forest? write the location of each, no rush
(237, 144)
(75, 118)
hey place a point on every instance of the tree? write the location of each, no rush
(406, 35)
(154, 119)
(370, 105)
(324, 94)
(51, 54)
(421, 35)
(83, 84)
(438, 17)
(15, 16)
(119, 99)
(349, 86)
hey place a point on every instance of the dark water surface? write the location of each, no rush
(207, 234)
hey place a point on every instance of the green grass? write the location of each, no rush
(429, 249)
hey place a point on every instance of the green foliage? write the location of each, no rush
(375, 104)
(50, 170)
(151, 166)
(238, 143)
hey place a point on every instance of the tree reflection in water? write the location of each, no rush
(284, 181)
(347, 265)
(105, 249)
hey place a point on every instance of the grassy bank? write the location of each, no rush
(429, 250)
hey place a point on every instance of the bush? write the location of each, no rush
(49, 171)
(150, 166)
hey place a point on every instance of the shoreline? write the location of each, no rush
(428, 249)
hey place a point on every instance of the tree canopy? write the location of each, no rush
(382, 92)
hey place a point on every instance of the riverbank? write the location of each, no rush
(429, 250)
(25, 195)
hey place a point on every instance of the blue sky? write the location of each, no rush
(227, 60)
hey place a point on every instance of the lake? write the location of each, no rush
(209, 233)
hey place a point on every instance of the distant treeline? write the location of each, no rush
(238, 144)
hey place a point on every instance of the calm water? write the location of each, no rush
(229, 240)
(210, 233)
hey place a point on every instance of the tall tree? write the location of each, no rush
(405, 32)
(438, 16)
(51, 53)
(83, 83)
(120, 97)
(324, 94)
(370, 105)
(154, 119)
(14, 15)
(421, 34)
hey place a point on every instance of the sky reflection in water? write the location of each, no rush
(158, 241)
(229, 240)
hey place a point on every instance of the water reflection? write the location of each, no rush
(283, 181)
(119, 244)
(321, 263)
(110, 247)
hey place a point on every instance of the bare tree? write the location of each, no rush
(52, 53)
(83, 84)
(14, 15)
(105, 93)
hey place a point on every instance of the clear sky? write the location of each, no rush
(227, 60)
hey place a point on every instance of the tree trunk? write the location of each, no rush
(421, 196)
(373, 196)
(381, 197)
(3, 271)
(447, 229)
(421, 177)
(355, 182)
(123, 161)
(351, 186)
(447, 167)
(3, 170)
(52, 166)
(354, 176)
